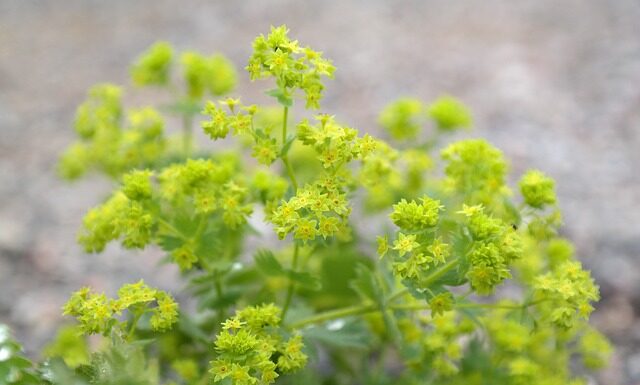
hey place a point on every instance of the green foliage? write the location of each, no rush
(448, 229)
(70, 344)
(15, 368)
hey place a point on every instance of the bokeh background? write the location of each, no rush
(555, 84)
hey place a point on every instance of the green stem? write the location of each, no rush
(370, 308)
(201, 227)
(218, 287)
(285, 115)
(397, 294)
(291, 288)
(285, 158)
(433, 277)
(187, 134)
(335, 314)
(429, 280)
(292, 177)
(134, 323)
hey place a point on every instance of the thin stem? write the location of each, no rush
(285, 158)
(523, 306)
(218, 287)
(370, 308)
(433, 277)
(397, 294)
(134, 323)
(335, 314)
(292, 177)
(291, 288)
(427, 281)
(187, 134)
(201, 227)
(285, 115)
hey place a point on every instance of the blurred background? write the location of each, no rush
(555, 85)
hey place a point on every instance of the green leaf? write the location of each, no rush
(305, 280)
(190, 328)
(268, 264)
(367, 285)
(287, 145)
(350, 335)
(283, 98)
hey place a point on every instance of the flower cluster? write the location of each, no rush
(404, 118)
(537, 189)
(475, 169)
(209, 187)
(380, 174)
(449, 113)
(568, 292)
(439, 346)
(595, 349)
(293, 67)
(493, 248)
(109, 144)
(252, 349)
(318, 209)
(335, 144)
(106, 143)
(525, 356)
(117, 218)
(98, 314)
(214, 74)
(230, 115)
(135, 214)
(153, 66)
(415, 217)
(417, 248)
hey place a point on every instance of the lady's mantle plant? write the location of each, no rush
(472, 283)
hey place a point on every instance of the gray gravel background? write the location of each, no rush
(556, 85)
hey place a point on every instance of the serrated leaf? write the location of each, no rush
(190, 328)
(367, 286)
(305, 280)
(268, 264)
(351, 335)
(169, 243)
(19, 362)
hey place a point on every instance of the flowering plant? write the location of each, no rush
(471, 283)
